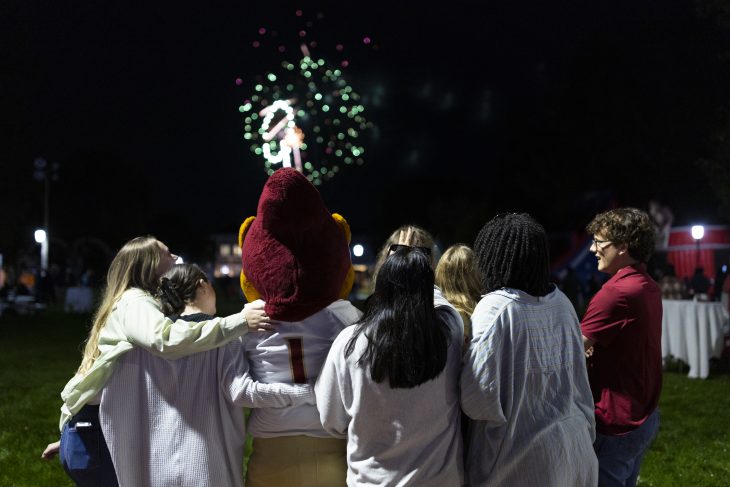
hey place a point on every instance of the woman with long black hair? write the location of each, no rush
(390, 382)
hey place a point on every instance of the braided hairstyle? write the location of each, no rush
(178, 287)
(512, 251)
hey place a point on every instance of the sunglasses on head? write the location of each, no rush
(396, 247)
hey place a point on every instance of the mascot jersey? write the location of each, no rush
(295, 256)
(294, 354)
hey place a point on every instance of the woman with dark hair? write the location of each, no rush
(524, 381)
(390, 382)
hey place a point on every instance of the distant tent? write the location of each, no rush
(685, 253)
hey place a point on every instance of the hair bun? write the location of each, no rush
(170, 297)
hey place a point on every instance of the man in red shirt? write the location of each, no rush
(622, 331)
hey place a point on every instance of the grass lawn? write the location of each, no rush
(693, 445)
(39, 354)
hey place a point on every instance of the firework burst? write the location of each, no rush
(304, 113)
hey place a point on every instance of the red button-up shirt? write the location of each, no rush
(624, 319)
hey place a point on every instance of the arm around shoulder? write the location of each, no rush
(143, 324)
(242, 390)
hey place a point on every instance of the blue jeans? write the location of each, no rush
(619, 457)
(84, 454)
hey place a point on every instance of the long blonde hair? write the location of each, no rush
(135, 265)
(420, 238)
(460, 279)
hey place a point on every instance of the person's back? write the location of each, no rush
(524, 382)
(294, 354)
(399, 436)
(290, 447)
(180, 422)
(538, 428)
(700, 283)
(390, 383)
(167, 423)
(129, 317)
(295, 256)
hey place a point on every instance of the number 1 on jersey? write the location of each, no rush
(296, 360)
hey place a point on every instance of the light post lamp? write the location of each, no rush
(42, 238)
(45, 172)
(698, 231)
(358, 250)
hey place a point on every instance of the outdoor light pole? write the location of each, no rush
(41, 237)
(45, 172)
(698, 231)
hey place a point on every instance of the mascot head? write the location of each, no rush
(295, 253)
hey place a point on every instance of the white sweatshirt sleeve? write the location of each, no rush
(334, 389)
(242, 390)
(140, 320)
(481, 373)
(136, 320)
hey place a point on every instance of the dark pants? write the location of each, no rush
(619, 457)
(84, 454)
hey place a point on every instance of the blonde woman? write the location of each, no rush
(128, 317)
(461, 282)
(406, 236)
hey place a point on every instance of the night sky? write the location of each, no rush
(557, 109)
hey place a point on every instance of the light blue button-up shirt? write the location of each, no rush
(524, 383)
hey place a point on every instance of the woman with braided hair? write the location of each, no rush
(524, 380)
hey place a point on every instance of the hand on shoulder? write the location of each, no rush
(256, 317)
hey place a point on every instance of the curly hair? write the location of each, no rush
(512, 251)
(626, 226)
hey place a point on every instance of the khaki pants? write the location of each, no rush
(291, 461)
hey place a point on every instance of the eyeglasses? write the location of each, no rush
(396, 247)
(599, 244)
